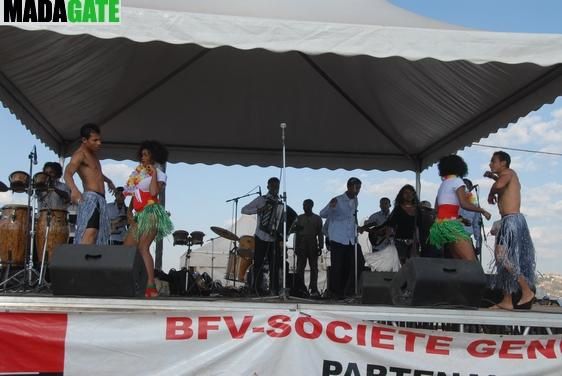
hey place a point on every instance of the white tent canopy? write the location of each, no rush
(361, 84)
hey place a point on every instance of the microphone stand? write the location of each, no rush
(42, 269)
(284, 293)
(30, 192)
(355, 249)
(480, 224)
(235, 200)
(212, 240)
(235, 219)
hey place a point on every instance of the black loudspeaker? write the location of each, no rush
(93, 270)
(375, 287)
(438, 282)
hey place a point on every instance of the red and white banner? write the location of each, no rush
(272, 342)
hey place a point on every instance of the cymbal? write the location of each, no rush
(224, 233)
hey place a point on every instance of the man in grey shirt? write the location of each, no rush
(56, 194)
(117, 212)
(309, 241)
(472, 220)
(377, 236)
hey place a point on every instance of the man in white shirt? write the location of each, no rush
(341, 211)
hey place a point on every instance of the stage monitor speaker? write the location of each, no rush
(438, 282)
(375, 287)
(93, 270)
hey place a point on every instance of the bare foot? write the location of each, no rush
(504, 306)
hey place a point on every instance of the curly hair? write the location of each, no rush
(452, 165)
(55, 166)
(158, 152)
(400, 200)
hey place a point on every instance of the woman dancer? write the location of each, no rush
(448, 230)
(151, 220)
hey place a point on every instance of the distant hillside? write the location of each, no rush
(549, 284)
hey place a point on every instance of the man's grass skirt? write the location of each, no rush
(515, 254)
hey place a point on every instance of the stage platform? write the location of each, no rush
(541, 319)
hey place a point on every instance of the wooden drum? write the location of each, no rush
(14, 233)
(58, 231)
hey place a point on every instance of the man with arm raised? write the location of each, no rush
(514, 252)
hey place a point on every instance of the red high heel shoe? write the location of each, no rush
(151, 292)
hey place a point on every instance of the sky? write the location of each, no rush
(196, 194)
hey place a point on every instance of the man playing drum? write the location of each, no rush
(53, 193)
(92, 223)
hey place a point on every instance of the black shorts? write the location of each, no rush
(94, 221)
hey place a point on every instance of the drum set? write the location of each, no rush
(24, 229)
(240, 257)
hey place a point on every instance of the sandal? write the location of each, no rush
(527, 305)
(151, 291)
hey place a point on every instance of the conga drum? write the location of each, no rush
(19, 181)
(197, 237)
(58, 231)
(180, 237)
(14, 233)
(40, 181)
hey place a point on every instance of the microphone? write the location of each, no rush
(283, 126)
(259, 187)
(34, 155)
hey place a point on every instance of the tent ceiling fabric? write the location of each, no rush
(214, 86)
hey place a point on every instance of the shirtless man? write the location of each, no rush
(92, 223)
(515, 253)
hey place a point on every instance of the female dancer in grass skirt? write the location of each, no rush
(447, 230)
(151, 221)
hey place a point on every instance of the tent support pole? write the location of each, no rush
(160, 243)
(418, 179)
(284, 293)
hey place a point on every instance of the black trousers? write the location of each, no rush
(307, 250)
(342, 274)
(266, 249)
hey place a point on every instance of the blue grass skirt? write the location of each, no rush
(515, 254)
